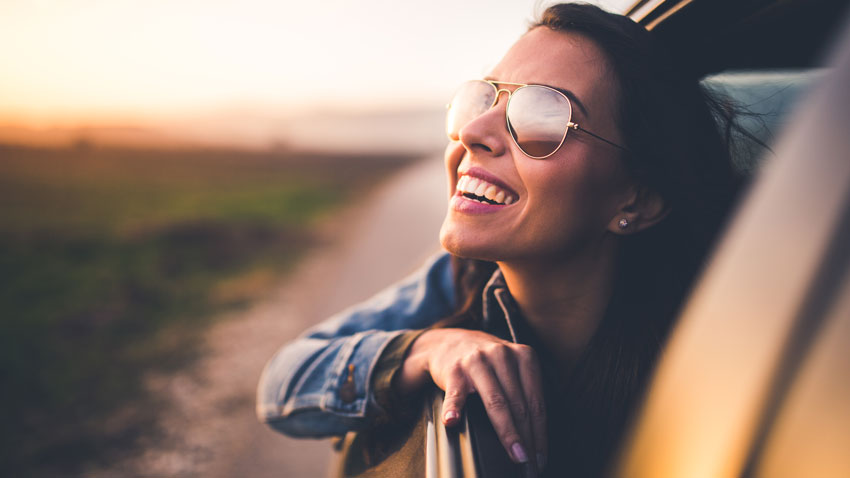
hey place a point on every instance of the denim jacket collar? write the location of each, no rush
(501, 314)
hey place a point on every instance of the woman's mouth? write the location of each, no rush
(478, 189)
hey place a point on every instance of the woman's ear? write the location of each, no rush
(642, 209)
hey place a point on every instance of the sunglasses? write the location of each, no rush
(538, 116)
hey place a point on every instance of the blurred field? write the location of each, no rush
(110, 261)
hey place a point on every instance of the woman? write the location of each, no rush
(589, 178)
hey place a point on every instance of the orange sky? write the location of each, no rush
(236, 70)
(65, 60)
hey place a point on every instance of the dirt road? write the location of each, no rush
(208, 418)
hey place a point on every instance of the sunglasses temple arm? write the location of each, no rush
(600, 138)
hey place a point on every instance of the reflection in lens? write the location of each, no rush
(470, 101)
(538, 119)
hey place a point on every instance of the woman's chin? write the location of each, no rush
(468, 245)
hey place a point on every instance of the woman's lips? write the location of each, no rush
(463, 204)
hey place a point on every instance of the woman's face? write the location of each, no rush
(559, 206)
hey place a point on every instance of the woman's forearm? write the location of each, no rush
(321, 387)
(320, 384)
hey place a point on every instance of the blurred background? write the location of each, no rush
(165, 166)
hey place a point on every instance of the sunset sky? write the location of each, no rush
(218, 68)
(71, 59)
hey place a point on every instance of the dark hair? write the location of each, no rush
(672, 128)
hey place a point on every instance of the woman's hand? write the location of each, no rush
(506, 376)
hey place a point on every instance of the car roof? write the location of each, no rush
(709, 36)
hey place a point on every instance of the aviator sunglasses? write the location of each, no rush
(538, 117)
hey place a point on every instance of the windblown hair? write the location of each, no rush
(673, 130)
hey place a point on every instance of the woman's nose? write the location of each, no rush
(487, 133)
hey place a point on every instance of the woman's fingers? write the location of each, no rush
(532, 386)
(457, 388)
(504, 374)
(498, 406)
(510, 368)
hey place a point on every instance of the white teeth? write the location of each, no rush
(478, 187)
(482, 186)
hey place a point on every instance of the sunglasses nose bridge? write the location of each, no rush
(498, 94)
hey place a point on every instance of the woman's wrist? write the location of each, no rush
(384, 376)
(414, 373)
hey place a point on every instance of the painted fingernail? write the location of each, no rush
(451, 416)
(541, 461)
(519, 453)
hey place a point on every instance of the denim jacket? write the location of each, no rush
(319, 384)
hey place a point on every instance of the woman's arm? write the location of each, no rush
(320, 384)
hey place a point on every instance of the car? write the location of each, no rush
(754, 379)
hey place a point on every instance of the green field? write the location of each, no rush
(110, 262)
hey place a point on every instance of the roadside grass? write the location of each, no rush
(112, 261)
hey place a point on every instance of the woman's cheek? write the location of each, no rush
(453, 156)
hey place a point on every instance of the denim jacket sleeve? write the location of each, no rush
(303, 391)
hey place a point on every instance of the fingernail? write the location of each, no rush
(541, 461)
(451, 416)
(519, 453)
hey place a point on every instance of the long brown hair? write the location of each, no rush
(672, 128)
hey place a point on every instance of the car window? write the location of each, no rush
(765, 99)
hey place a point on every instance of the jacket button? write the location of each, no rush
(348, 391)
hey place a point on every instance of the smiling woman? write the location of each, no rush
(564, 201)
(573, 234)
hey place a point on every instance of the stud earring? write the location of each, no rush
(624, 223)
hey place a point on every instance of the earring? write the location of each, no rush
(624, 223)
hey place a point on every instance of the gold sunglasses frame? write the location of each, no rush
(570, 124)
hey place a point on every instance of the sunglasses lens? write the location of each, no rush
(470, 101)
(538, 119)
